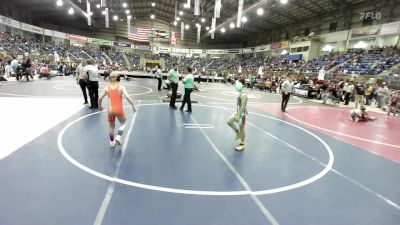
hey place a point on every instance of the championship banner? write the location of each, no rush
(276, 45)
(31, 28)
(247, 50)
(182, 31)
(124, 45)
(100, 41)
(233, 51)
(262, 48)
(74, 37)
(366, 31)
(174, 38)
(284, 44)
(10, 22)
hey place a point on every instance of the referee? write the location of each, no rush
(92, 83)
(81, 78)
(287, 88)
(173, 77)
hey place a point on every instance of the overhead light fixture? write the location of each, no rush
(203, 20)
(187, 27)
(232, 25)
(71, 11)
(153, 4)
(98, 6)
(90, 13)
(185, 6)
(244, 19)
(152, 16)
(129, 17)
(59, 3)
(127, 11)
(178, 19)
(284, 1)
(207, 28)
(175, 23)
(124, 5)
(260, 11)
(222, 30)
(197, 24)
(103, 12)
(115, 17)
(181, 13)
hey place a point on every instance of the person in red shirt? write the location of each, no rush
(115, 91)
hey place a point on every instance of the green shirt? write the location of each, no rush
(173, 76)
(188, 81)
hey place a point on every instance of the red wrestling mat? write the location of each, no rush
(380, 137)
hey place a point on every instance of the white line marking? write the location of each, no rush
(183, 191)
(333, 170)
(110, 191)
(335, 132)
(242, 181)
(299, 101)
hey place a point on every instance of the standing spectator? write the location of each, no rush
(368, 94)
(159, 76)
(92, 83)
(7, 69)
(286, 88)
(360, 95)
(173, 77)
(188, 84)
(383, 95)
(81, 79)
(394, 102)
(14, 64)
(349, 93)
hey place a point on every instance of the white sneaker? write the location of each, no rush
(112, 144)
(118, 139)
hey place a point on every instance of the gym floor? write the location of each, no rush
(309, 166)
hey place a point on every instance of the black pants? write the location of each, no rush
(186, 99)
(159, 83)
(285, 100)
(174, 88)
(83, 85)
(93, 87)
(347, 98)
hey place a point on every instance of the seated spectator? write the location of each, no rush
(44, 72)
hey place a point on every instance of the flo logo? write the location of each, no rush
(370, 15)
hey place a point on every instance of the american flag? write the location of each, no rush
(139, 34)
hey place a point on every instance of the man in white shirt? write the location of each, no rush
(92, 83)
(349, 93)
(159, 77)
(287, 89)
(81, 79)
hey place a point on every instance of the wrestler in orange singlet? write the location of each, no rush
(115, 91)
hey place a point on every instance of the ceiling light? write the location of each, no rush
(115, 17)
(207, 28)
(129, 17)
(90, 13)
(98, 6)
(59, 3)
(284, 1)
(153, 4)
(222, 30)
(232, 25)
(71, 11)
(197, 25)
(260, 11)
(103, 12)
(185, 6)
(244, 19)
(124, 5)
(175, 23)
(181, 13)
(203, 20)
(152, 16)
(187, 27)
(127, 11)
(177, 18)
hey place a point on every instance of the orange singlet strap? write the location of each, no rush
(115, 100)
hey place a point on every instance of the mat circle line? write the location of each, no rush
(316, 177)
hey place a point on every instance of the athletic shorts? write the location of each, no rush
(244, 120)
(111, 117)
